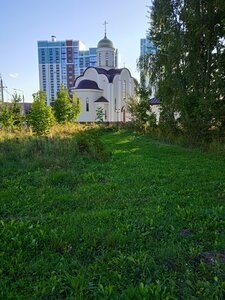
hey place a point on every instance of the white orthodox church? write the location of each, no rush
(104, 86)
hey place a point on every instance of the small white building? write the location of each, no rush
(104, 86)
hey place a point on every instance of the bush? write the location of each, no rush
(99, 115)
(89, 145)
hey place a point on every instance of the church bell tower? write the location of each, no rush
(106, 53)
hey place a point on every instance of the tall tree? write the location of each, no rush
(11, 116)
(163, 66)
(6, 117)
(62, 106)
(16, 110)
(188, 68)
(75, 108)
(40, 117)
(203, 22)
(139, 107)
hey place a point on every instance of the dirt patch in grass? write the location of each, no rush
(212, 257)
(185, 232)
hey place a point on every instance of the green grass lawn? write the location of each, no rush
(139, 220)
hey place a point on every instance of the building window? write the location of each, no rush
(107, 59)
(87, 104)
(99, 58)
(115, 104)
(124, 89)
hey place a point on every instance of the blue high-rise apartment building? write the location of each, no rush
(61, 62)
(146, 47)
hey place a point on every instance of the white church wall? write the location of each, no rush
(90, 74)
(156, 110)
(111, 101)
(92, 96)
(121, 81)
(116, 107)
(103, 83)
(126, 83)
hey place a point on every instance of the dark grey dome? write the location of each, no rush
(105, 43)
(88, 84)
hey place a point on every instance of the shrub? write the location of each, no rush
(99, 115)
(89, 145)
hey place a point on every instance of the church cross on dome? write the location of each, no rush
(105, 24)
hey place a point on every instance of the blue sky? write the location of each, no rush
(24, 22)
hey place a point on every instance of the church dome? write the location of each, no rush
(87, 84)
(105, 43)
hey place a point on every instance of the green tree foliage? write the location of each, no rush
(6, 117)
(188, 67)
(62, 106)
(16, 111)
(11, 116)
(65, 109)
(99, 114)
(139, 108)
(142, 117)
(40, 117)
(75, 108)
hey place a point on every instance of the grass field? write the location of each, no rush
(110, 215)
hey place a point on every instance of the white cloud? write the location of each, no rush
(14, 75)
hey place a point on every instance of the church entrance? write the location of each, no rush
(123, 114)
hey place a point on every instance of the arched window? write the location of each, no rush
(107, 59)
(99, 59)
(124, 89)
(87, 104)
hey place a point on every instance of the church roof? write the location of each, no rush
(105, 43)
(101, 99)
(88, 84)
(110, 74)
